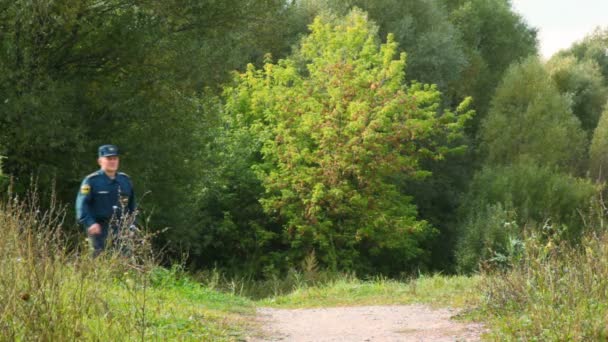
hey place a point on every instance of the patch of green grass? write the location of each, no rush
(436, 290)
(189, 311)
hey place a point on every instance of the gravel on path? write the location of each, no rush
(365, 323)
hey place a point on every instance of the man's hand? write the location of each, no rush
(94, 229)
(133, 230)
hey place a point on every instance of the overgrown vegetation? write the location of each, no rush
(146, 76)
(294, 148)
(501, 200)
(554, 291)
(49, 291)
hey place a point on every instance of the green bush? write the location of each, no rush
(501, 199)
(489, 229)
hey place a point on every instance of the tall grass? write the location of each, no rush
(554, 291)
(50, 292)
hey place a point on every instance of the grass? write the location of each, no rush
(436, 290)
(554, 291)
(50, 293)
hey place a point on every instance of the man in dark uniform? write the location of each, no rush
(105, 200)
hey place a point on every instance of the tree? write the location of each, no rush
(422, 28)
(592, 48)
(598, 159)
(532, 143)
(582, 83)
(530, 120)
(337, 126)
(494, 37)
(435, 55)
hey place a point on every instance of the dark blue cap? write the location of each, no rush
(108, 150)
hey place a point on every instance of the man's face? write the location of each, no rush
(109, 164)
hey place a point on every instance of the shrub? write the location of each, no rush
(501, 200)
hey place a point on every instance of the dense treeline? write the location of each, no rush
(373, 136)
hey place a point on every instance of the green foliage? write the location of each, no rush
(231, 229)
(333, 137)
(530, 120)
(422, 29)
(592, 49)
(554, 292)
(494, 37)
(78, 74)
(503, 199)
(351, 162)
(530, 140)
(598, 159)
(435, 55)
(582, 83)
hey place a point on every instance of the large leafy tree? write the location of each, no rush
(592, 48)
(463, 46)
(582, 82)
(337, 126)
(436, 55)
(494, 37)
(530, 120)
(422, 28)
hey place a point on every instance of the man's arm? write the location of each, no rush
(83, 208)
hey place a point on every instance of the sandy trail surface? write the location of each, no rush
(365, 323)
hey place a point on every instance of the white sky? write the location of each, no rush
(562, 22)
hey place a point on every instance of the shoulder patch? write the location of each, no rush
(85, 189)
(124, 174)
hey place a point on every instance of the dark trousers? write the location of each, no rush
(98, 243)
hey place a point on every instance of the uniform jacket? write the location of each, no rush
(101, 199)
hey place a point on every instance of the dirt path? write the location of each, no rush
(365, 323)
